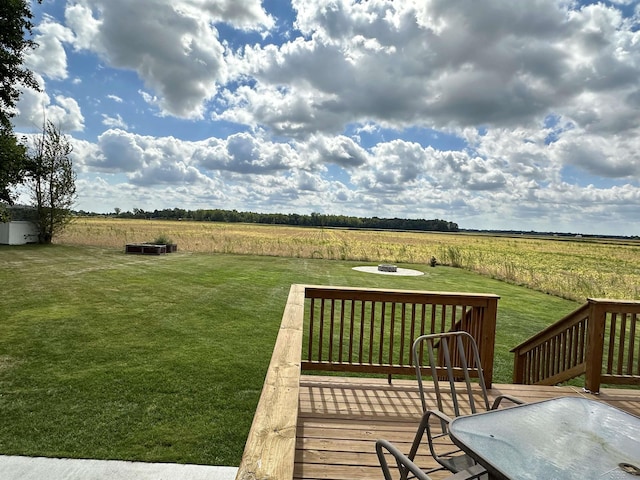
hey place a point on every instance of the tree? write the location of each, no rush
(15, 27)
(12, 163)
(52, 181)
(139, 213)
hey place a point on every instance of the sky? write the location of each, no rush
(493, 114)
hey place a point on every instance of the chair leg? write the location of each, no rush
(405, 466)
(448, 456)
(407, 469)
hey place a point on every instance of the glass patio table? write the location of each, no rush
(562, 438)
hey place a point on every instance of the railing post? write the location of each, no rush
(595, 345)
(488, 339)
(518, 367)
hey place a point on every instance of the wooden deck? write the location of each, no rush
(339, 420)
(320, 427)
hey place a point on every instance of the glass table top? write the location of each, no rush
(561, 438)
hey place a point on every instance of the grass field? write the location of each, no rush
(571, 268)
(107, 355)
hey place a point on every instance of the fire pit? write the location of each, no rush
(387, 268)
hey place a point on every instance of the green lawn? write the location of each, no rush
(107, 355)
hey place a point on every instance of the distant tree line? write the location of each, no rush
(312, 220)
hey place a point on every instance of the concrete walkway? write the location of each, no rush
(38, 468)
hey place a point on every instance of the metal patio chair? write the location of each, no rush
(449, 358)
(406, 469)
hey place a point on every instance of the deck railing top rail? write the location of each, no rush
(358, 293)
(553, 329)
(270, 448)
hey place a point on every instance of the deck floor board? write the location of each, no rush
(340, 418)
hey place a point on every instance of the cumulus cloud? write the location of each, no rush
(450, 65)
(150, 160)
(34, 107)
(339, 150)
(398, 178)
(173, 46)
(487, 113)
(176, 53)
(159, 172)
(113, 122)
(612, 156)
(399, 63)
(49, 58)
(117, 151)
(48, 61)
(245, 153)
(245, 14)
(438, 63)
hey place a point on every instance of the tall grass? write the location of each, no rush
(573, 269)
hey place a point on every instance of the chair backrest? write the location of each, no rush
(453, 358)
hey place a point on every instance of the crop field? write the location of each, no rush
(571, 268)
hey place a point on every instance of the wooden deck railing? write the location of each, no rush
(372, 331)
(350, 330)
(601, 340)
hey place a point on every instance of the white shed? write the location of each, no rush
(18, 233)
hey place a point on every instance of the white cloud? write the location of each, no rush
(490, 113)
(339, 150)
(121, 151)
(436, 63)
(79, 17)
(167, 173)
(116, 151)
(521, 152)
(49, 58)
(34, 107)
(614, 156)
(395, 178)
(380, 61)
(245, 153)
(114, 122)
(66, 114)
(244, 14)
(173, 46)
(83, 151)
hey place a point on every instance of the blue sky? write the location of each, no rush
(491, 114)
